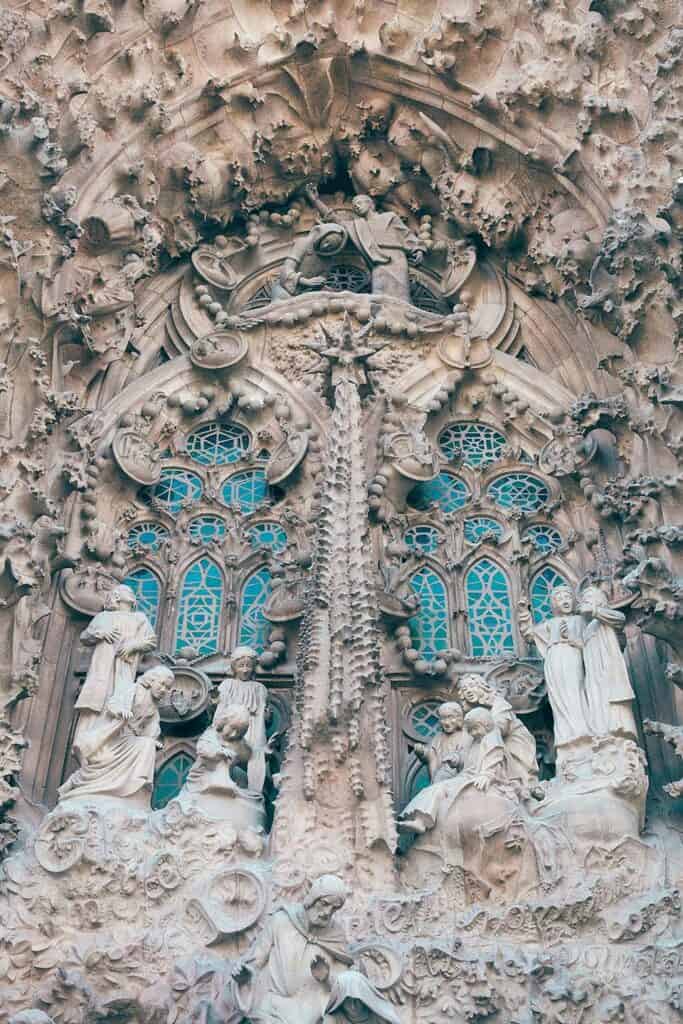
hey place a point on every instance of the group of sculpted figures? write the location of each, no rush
(484, 799)
(482, 812)
(117, 734)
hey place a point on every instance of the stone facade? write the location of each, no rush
(341, 660)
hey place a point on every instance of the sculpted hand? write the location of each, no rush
(416, 257)
(110, 636)
(482, 782)
(128, 650)
(420, 751)
(320, 968)
(240, 972)
(311, 192)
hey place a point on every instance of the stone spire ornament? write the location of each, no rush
(339, 759)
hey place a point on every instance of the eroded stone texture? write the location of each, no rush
(340, 600)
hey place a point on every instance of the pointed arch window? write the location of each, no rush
(254, 626)
(170, 779)
(489, 610)
(199, 610)
(542, 586)
(146, 586)
(429, 628)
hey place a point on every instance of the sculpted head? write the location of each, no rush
(331, 239)
(158, 680)
(479, 721)
(562, 600)
(450, 716)
(233, 721)
(362, 206)
(325, 897)
(474, 689)
(243, 662)
(121, 597)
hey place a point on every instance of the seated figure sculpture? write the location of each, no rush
(444, 758)
(117, 753)
(210, 787)
(300, 970)
(476, 820)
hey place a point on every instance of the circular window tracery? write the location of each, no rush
(544, 538)
(346, 277)
(147, 536)
(175, 489)
(478, 444)
(422, 538)
(447, 491)
(267, 535)
(206, 528)
(519, 490)
(217, 444)
(482, 527)
(247, 490)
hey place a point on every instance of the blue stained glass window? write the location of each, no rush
(542, 586)
(247, 490)
(146, 536)
(544, 538)
(176, 489)
(446, 490)
(170, 779)
(267, 535)
(254, 627)
(477, 443)
(429, 627)
(519, 490)
(480, 527)
(217, 444)
(207, 528)
(422, 538)
(199, 615)
(147, 588)
(489, 610)
(425, 720)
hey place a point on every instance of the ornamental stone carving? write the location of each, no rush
(340, 582)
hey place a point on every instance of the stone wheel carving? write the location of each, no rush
(286, 457)
(218, 350)
(236, 898)
(135, 457)
(62, 840)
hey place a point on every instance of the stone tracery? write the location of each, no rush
(370, 446)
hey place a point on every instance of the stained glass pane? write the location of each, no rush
(176, 489)
(147, 588)
(544, 538)
(146, 536)
(542, 587)
(424, 719)
(422, 538)
(489, 610)
(267, 535)
(476, 443)
(480, 528)
(519, 490)
(429, 628)
(217, 444)
(170, 779)
(447, 491)
(344, 277)
(424, 298)
(420, 781)
(247, 490)
(199, 615)
(254, 627)
(206, 528)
